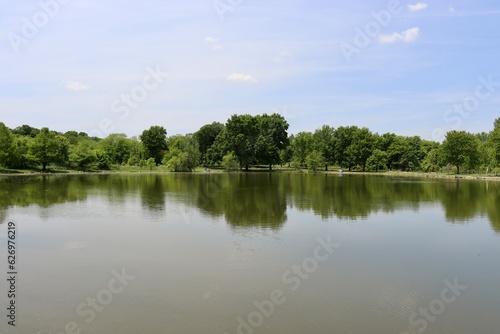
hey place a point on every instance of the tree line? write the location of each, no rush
(245, 141)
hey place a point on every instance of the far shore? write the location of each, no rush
(201, 170)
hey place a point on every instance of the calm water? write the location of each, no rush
(252, 253)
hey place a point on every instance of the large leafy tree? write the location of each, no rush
(344, 137)
(26, 130)
(117, 147)
(361, 147)
(242, 135)
(6, 146)
(83, 154)
(324, 142)
(273, 138)
(461, 148)
(45, 148)
(495, 140)
(205, 137)
(302, 145)
(155, 142)
(183, 154)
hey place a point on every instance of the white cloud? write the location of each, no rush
(282, 56)
(418, 6)
(214, 42)
(451, 9)
(406, 36)
(211, 40)
(238, 77)
(75, 85)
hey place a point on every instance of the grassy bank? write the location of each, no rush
(163, 169)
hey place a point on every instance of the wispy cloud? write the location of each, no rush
(76, 86)
(282, 56)
(418, 6)
(406, 36)
(213, 41)
(238, 77)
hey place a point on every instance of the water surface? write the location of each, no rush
(205, 253)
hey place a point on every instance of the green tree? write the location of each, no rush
(26, 130)
(183, 154)
(6, 146)
(45, 148)
(361, 147)
(205, 138)
(324, 142)
(272, 138)
(343, 138)
(117, 147)
(155, 143)
(242, 134)
(151, 163)
(219, 148)
(230, 162)
(460, 148)
(302, 144)
(377, 161)
(314, 160)
(83, 155)
(495, 140)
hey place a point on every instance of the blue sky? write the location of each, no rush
(408, 67)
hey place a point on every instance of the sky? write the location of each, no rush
(406, 67)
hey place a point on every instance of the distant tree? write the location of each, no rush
(151, 163)
(21, 149)
(117, 147)
(302, 144)
(377, 161)
(272, 138)
(83, 154)
(205, 138)
(361, 147)
(460, 148)
(496, 124)
(242, 134)
(230, 162)
(314, 160)
(219, 148)
(183, 154)
(324, 142)
(45, 148)
(6, 146)
(26, 130)
(495, 141)
(154, 141)
(344, 137)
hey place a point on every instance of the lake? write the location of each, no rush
(251, 253)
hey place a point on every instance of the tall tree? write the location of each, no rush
(26, 130)
(205, 137)
(273, 138)
(6, 146)
(302, 145)
(155, 142)
(495, 140)
(242, 134)
(183, 153)
(45, 148)
(324, 142)
(117, 147)
(461, 148)
(361, 147)
(344, 137)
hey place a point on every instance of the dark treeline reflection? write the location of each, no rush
(261, 199)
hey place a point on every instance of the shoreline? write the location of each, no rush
(332, 172)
